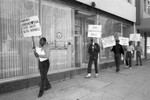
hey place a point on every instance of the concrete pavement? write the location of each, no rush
(128, 84)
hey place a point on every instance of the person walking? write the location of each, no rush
(129, 55)
(42, 53)
(139, 52)
(118, 50)
(93, 51)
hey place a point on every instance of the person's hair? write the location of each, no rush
(130, 42)
(91, 39)
(44, 39)
(117, 40)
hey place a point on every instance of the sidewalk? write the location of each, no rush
(128, 84)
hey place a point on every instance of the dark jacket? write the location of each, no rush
(118, 49)
(94, 52)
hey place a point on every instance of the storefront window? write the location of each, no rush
(16, 55)
(110, 27)
(56, 27)
(15, 51)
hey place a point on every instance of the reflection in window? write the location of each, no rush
(110, 27)
(16, 55)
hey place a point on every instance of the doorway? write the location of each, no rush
(82, 20)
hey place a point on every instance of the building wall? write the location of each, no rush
(138, 12)
(56, 17)
(16, 55)
(68, 56)
(143, 20)
(120, 8)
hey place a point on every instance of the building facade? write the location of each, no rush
(143, 23)
(64, 23)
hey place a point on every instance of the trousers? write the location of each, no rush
(138, 57)
(43, 68)
(91, 60)
(117, 61)
(128, 59)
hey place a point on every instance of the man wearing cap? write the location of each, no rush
(118, 50)
(93, 51)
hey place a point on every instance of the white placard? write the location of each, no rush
(31, 26)
(135, 37)
(124, 41)
(94, 31)
(108, 41)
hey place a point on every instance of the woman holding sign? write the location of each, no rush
(42, 53)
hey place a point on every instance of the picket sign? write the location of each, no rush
(108, 41)
(124, 41)
(94, 31)
(135, 37)
(31, 26)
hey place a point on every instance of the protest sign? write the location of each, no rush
(124, 41)
(108, 41)
(135, 37)
(94, 31)
(31, 26)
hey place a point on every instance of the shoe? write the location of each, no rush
(47, 88)
(130, 67)
(40, 93)
(117, 70)
(127, 66)
(136, 64)
(88, 76)
(96, 75)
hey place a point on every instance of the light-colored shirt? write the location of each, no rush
(40, 51)
(130, 48)
(138, 48)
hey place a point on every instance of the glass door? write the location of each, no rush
(90, 20)
(82, 20)
(77, 41)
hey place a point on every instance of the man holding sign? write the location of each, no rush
(93, 51)
(118, 50)
(94, 31)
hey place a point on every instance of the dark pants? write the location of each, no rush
(43, 67)
(128, 59)
(117, 61)
(91, 59)
(138, 57)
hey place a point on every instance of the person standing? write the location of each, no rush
(129, 55)
(118, 50)
(42, 53)
(139, 52)
(93, 51)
